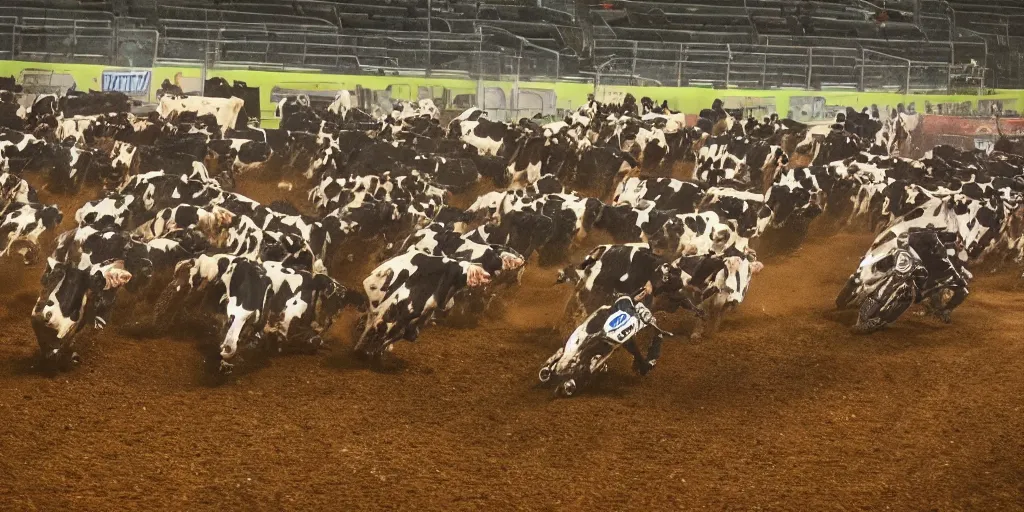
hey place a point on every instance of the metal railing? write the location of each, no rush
(490, 53)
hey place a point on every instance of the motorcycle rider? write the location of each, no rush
(944, 272)
(635, 306)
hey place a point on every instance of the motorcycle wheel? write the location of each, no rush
(544, 375)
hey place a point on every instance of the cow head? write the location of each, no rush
(329, 297)
(734, 280)
(60, 311)
(667, 278)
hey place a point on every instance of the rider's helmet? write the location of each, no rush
(903, 240)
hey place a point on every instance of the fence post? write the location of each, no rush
(810, 65)
(430, 43)
(728, 64)
(908, 78)
(632, 73)
(114, 44)
(156, 48)
(679, 66)
(863, 63)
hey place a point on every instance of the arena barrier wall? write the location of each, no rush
(525, 98)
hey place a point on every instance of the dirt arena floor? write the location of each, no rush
(782, 410)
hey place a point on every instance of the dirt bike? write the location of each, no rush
(586, 354)
(884, 300)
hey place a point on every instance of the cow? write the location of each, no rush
(21, 225)
(489, 137)
(743, 209)
(241, 290)
(665, 193)
(226, 110)
(627, 224)
(523, 231)
(717, 283)
(71, 298)
(80, 283)
(405, 292)
(610, 270)
(302, 307)
(116, 210)
(240, 155)
(211, 221)
(691, 234)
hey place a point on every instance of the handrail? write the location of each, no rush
(524, 42)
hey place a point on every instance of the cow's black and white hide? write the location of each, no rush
(18, 150)
(503, 264)
(246, 239)
(238, 292)
(157, 190)
(405, 292)
(240, 156)
(489, 137)
(94, 103)
(71, 298)
(743, 209)
(611, 270)
(80, 283)
(696, 233)
(302, 307)
(627, 224)
(573, 217)
(21, 225)
(14, 189)
(114, 210)
(454, 174)
(212, 221)
(523, 231)
(717, 283)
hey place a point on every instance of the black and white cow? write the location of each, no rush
(611, 270)
(71, 298)
(489, 137)
(523, 231)
(80, 283)
(744, 209)
(211, 221)
(21, 224)
(717, 283)
(240, 156)
(246, 290)
(406, 291)
(665, 193)
(116, 209)
(302, 307)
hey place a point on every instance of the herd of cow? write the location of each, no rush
(170, 232)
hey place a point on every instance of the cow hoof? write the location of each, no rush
(225, 368)
(696, 336)
(75, 358)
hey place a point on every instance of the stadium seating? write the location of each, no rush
(746, 43)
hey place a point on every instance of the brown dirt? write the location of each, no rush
(783, 409)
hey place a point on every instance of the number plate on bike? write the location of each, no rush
(621, 326)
